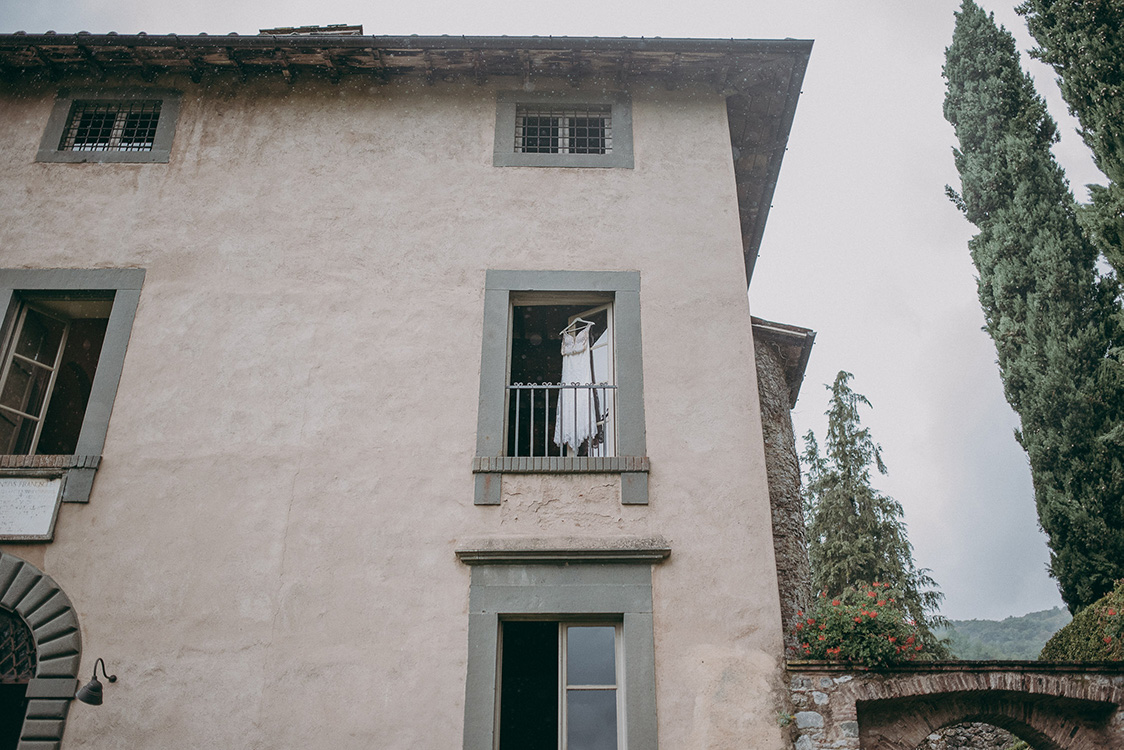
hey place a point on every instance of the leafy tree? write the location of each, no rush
(1084, 42)
(855, 533)
(1052, 317)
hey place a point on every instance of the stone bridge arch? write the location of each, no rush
(35, 598)
(1050, 706)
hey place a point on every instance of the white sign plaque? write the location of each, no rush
(28, 507)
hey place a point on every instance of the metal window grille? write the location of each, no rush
(534, 410)
(17, 650)
(581, 130)
(111, 126)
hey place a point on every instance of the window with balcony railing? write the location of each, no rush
(561, 394)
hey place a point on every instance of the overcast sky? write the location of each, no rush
(861, 245)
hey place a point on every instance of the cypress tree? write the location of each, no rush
(1051, 315)
(855, 533)
(1084, 42)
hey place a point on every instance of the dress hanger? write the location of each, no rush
(572, 327)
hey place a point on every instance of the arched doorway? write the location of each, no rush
(40, 651)
(17, 667)
(973, 735)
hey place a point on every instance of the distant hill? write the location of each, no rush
(1012, 638)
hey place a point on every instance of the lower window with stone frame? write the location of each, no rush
(561, 656)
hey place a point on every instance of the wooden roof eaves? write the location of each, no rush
(795, 345)
(531, 43)
(751, 235)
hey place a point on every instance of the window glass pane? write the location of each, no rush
(590, 655)
(71, 392)
(40, 337)
(591, 720)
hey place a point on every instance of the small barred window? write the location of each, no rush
(111, 126)
(574, 130)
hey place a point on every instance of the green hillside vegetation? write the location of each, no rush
(1014, 638)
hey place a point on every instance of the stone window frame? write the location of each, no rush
(631, 462)
(78, 470)
(161, 145)
(620, 103)
(521, 584)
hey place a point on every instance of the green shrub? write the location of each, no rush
(1095, 634)
(863, 625)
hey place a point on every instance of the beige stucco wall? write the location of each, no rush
(267, 559)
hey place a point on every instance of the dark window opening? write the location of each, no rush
(529, 686)
(548, 130)
(561, 404)
(111, 126)
(52, 343)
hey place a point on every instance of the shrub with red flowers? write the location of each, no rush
(865, 624)
(1096, 633)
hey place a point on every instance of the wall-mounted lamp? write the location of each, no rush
(91, 691)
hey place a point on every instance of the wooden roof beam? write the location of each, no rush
(525, 59)
(237, 65)
(91, 60)
(672, 82)
(574, 75)
(52, 71)
(479, 67)
(430, 73)
(380, 66)
(196, 63)
(147, 73)
(333, 68)
(624, 71)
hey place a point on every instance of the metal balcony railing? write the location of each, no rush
(561, 419)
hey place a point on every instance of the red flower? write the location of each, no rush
(835, 602)
(811, 621)
(799, 626)
(881, 602)
(871, 594)
(1112, 612)
(892, 639)
(823, 627)
(917, 647)
(873, 614)
(822, 638)
(858, 619)
(1108, 639)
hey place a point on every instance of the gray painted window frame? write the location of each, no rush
(630, 462)
(620, 103)
(561, 592)
(78, 470)
(161, 144)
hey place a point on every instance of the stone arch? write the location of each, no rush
(1049, 712)
(35, 598)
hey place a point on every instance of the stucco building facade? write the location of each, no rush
(320, 486)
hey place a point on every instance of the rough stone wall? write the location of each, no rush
(783, 470)
(970, 735)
